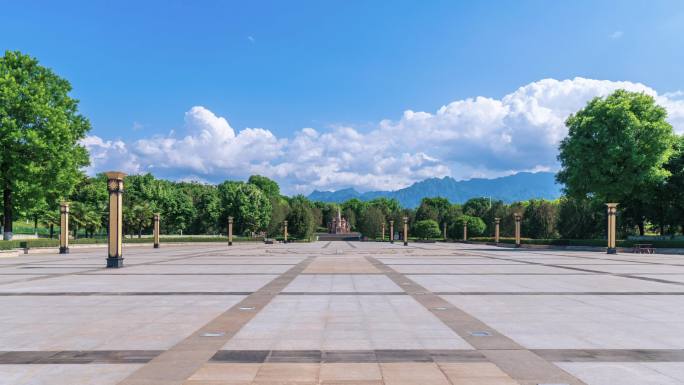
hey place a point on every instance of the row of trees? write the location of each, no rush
(257, 207)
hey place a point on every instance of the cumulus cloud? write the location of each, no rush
(474, 137)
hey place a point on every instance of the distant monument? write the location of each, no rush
(339, 225)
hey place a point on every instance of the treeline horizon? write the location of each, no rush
(259, 209)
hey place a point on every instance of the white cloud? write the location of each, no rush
(616, 35)
(474, 137)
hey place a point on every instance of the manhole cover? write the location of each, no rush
(480, 333)
(213, 334)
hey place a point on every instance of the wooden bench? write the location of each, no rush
(643, 248)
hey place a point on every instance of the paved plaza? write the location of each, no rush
(341, 313)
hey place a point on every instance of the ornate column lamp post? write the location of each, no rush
(230, 231)
(285, 230)
(612, 214)
(465, 231)
(383, 231)
(156, 230)
(518, 220)
(497, 221)
(115, 246)
(392, 231)
(405, 231)
(445, 231)
(64, 228)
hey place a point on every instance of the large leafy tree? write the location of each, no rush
(40, 129)
(615, 151)
(300, 220)
(426, 229)
(539, 219)
(247, 204)
(371, 221)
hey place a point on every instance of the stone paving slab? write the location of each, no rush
(342, 313)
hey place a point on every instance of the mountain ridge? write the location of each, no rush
(516, 187)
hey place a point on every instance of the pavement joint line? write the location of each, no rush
(177, 364)
(515, 360)
(609, 259)
(665, 281)
(182, 256)
(335, 293)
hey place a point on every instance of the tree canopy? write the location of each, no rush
(616, 150)
(40, 130)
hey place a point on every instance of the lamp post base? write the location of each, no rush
(63, 250)
(611, 250)
(230, 243)
(405, 243)
(517, 245)
(115, 262)
(156, 245)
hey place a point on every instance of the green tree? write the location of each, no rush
(540, 218)
(40, 130)
(279, 211)
(476, 227)
(426, 211)
(426, 229)
(615, 151)
(268, 186)
(477, 207)
(247, 204)
(581, 218)
(371, 221)
(300, 221)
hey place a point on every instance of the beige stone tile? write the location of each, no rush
(281, 373)
(412, 374)
(332, 373)
(227, 373)
(332, 265)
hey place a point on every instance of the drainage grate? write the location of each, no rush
(483, 333)
(213, 334)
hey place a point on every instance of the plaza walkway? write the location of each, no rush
(342, 313)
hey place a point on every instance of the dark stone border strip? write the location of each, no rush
(346, 356)
(336, 356)
(78, 357)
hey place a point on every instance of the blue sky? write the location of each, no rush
(143, 70)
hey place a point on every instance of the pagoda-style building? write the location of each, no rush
(339, 225)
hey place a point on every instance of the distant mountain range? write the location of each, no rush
(517, 187)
